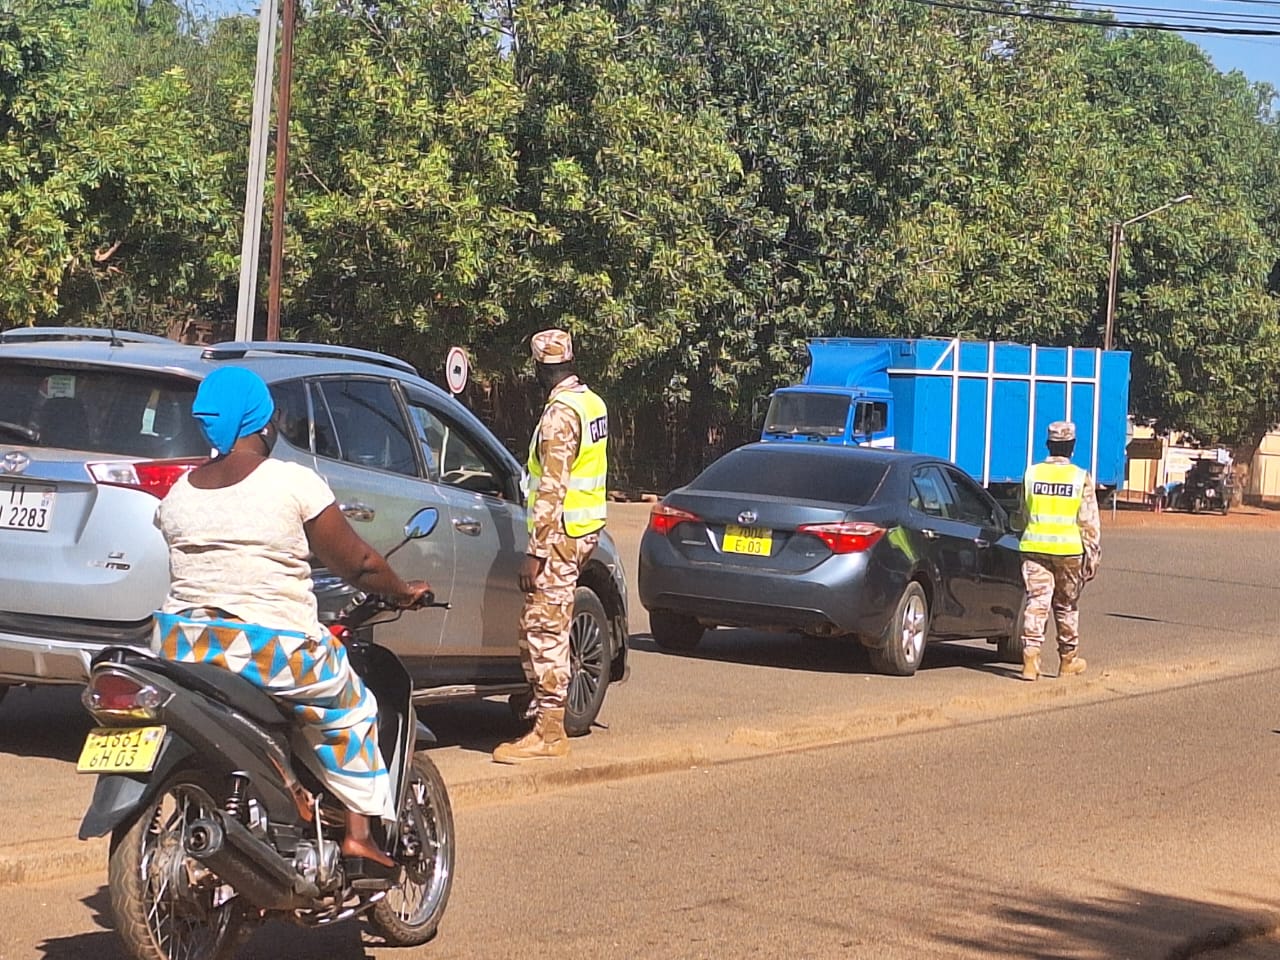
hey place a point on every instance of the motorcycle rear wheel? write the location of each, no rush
(158, 914)
(410, 913)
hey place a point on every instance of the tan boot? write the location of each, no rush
(1030, 664)
(1072, 663)
(545, 741)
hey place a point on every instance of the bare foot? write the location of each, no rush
(352, 847)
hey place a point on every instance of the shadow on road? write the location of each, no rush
(818, 655)
(472, 725)
(279, 941)
(1042, 924)
(43, 722)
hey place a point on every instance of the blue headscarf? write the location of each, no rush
(231, 403)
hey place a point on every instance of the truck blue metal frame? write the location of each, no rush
(983, 405)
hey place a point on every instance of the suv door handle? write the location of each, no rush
(929, 534)
(978, 541)
(359, 512)
(468, 525)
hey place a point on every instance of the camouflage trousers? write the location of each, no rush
(545, 622)
(1052, 583)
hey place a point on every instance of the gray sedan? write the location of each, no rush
(894, 549)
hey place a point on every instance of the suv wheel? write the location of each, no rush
(589, 661)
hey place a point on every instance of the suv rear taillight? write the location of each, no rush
(663, 519)
(156, 477)
(847, 537)
(112, 694)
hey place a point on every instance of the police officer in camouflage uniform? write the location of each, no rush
(567, 467)
(1061, 547)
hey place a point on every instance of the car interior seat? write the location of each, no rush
(63, 422)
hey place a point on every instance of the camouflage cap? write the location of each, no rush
(552, 346)
(1061, 430)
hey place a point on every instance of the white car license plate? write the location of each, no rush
(26, 506)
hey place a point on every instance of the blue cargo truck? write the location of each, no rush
(984, 406)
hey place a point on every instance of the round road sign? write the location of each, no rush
(456, 369)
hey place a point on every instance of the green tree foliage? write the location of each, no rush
(693, 187)
(107, 193)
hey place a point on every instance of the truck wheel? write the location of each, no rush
(1009, 647)
(590, 658)
(903, 643)
(674, 632)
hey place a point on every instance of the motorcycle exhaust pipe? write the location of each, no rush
(253, 868)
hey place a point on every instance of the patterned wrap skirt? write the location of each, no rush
(335, 713)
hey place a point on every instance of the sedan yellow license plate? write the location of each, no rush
(753, 541)
(120, 750)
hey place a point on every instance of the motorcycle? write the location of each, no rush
(214, 824)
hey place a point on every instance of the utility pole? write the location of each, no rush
(281, 183)
(257, 177)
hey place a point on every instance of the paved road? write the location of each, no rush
(1179, 612)
(1173, 604)
(1122, 828)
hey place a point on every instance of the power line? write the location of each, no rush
(1096, 7)
(1113, 23)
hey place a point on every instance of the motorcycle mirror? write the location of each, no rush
(421, 523)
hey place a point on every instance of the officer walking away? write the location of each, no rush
(567, 467)
(1061, 547)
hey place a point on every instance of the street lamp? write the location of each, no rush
(1117, 238)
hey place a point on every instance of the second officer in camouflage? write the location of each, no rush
(567, 470)
(1061, 545)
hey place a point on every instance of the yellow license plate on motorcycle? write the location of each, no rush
(120, 750)
(753, 541)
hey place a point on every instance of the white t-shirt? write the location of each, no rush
(243, 548)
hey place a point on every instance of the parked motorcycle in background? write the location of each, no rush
(1208, 485)
(215, 827)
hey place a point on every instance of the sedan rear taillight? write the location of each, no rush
(847, 537)
(663, 519)
(111, 694)
(156, 477)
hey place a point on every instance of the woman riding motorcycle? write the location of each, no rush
(240, 531)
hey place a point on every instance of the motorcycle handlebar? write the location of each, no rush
(366, 606)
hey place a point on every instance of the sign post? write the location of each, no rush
(456, 369)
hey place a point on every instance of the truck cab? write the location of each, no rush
(840, 415)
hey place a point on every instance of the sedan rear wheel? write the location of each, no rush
(671, 631)
(905, 637)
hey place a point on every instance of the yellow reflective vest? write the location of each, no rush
(1053, 493)
(584, 501)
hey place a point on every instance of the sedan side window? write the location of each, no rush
(362, 424)
(452, 457)
(972, 505)
(930, 493)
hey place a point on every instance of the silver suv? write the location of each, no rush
(95, 426)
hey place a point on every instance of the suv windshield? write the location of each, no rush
(807, 414)
(784, 471)
(99, 410)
